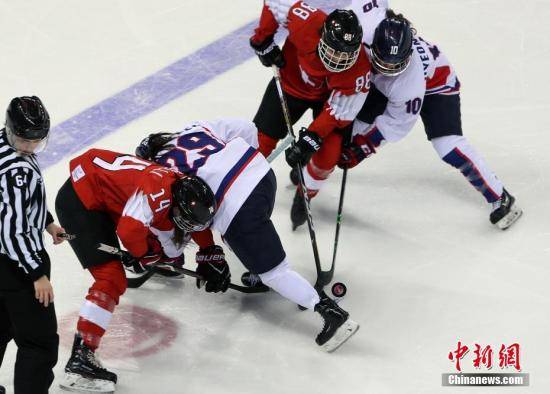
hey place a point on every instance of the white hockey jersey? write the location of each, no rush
(224, 154)
(428, 73)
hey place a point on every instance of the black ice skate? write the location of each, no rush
(298, 212)
(84, 373)
(253, 280)
(505, 211)
(337, 328)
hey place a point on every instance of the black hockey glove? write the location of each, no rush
(213, 268)
(153, 144)
(269, 53)
(300, 152)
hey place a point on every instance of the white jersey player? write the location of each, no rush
(412, 78)
(224, 154)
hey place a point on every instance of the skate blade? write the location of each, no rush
(512, 216)
(344, 333)
(79, 384)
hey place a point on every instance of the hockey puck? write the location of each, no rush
(339, 289)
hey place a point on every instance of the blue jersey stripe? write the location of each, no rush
(233, 173)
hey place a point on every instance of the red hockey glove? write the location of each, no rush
(139, 265)
(359, 149)
(213, 268)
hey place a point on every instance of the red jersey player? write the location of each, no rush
(152, 209)
(324, 68)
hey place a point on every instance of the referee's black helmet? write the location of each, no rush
(27, 118)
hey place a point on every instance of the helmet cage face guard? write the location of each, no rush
(336, 61)
(389, 69)
(19, 143)
(186, 224)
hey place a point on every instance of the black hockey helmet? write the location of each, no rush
(391, 48)
(27, 124)
(194, 204)
(340, 40)
(153, 144)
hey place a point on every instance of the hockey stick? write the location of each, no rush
(138, 281)
(67, 237)
(321, 279)
(326, 276)
(116, 251)
(282, 146)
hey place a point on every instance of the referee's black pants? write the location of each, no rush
(34, 329)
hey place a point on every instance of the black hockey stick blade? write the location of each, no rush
(134, 283)
(242, 289)
(323, 279)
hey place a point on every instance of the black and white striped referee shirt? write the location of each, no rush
(23, 211)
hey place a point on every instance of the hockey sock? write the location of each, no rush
(456, 151)
(314, 178)
(291, 285)
(97, 311)
(94, 317)
(322, 163)
(266, 144)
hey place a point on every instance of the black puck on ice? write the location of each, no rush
(339, 289)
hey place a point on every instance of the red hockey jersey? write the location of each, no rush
(304, 75)
(134, 192)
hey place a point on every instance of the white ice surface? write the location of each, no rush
(423, 266)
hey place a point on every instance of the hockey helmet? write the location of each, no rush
(152, 145)
(340, 40)
(27, 124)
(391, 48)
(194, 204)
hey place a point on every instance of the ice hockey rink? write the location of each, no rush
(423, 266)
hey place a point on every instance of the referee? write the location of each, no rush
(27, 312)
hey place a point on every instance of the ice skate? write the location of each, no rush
(337, 327)
(84, 373)
(249, 279)
(505, 211)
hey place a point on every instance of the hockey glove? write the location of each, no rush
(173, 264)
(213, 268)
(138, 265)
(353, 154)
(269, 53)
(300, 152)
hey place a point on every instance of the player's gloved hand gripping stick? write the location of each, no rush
(152, 269)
